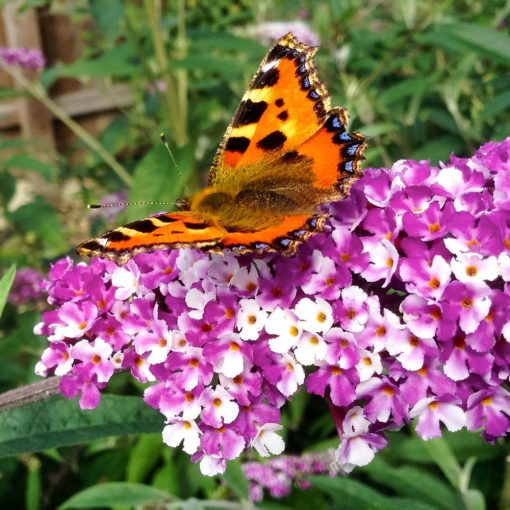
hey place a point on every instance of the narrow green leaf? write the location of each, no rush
(58, 422)
(351, 494)
(143, 457)
(483, 39)
(8, 187)
(438, 149)
(33, 486)
(464, 444)
(107, 16)
(474, 500)
(408, 503)
(235, 479)
(156, 180)
(118, 61)
(26, 162)
(441, 453)
(41, 219)
(114, 495)
(5, 286)
(414, 482)
(496, 105)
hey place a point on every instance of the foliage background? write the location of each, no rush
(422, 79)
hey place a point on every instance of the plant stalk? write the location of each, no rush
(38, 93)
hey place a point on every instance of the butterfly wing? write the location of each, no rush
(168, 230)
(284, 105)
(284, 153)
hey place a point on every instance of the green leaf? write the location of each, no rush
(5, 286)
(483, 39)
(156, 180)
(107, 16)
(8, 187)
(58, 422)
(206, 41)
(351, 494)
(33, 487)
(235, 479)
(414, 482)
(143, 457)
(38, 217)
(26, 162)
(496, 105)
(474, 500)
(224, 66)
(118, 61)
(463, 443)
(438, 149)
(441, 453)
(114, 495)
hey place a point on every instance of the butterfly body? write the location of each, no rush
(285, 152)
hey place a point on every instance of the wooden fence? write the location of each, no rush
(59, 40)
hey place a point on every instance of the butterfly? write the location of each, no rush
(285, 152)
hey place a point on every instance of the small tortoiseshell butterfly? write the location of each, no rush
(285, 152)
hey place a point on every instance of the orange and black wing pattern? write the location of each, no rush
(285, 152)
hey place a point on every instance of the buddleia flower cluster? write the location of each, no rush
(26, 58)
(399, 310)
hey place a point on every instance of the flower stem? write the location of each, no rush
(176, 93)
(29, 393)
(37, 92)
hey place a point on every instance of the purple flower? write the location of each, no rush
(26, 287)
(399, 310)
(269, 31)
(26, 58)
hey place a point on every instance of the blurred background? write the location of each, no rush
(81, 114)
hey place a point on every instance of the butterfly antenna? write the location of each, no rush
(167, 147)
(125, 204)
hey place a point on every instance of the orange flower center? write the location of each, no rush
(251, 286)
(434, 283)
(380, 331)
(434, 227)
(466, 303)
(293, 331)
(321, 317)
(471, 270)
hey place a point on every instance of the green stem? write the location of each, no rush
(176, 100)
(38, 93)
(504, 502)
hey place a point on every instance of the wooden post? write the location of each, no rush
(22, 30)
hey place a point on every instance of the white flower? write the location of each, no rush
(310, 349)
(284, 325)
(222, 269)
(504, 266)
(246, 280)
(368, 365)
(250, 319)
(473, 267)
(267, 441)
(292, 377)
(212, 465)
(126, 279)
(315, 316)
(196, 300)
(183, 431)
